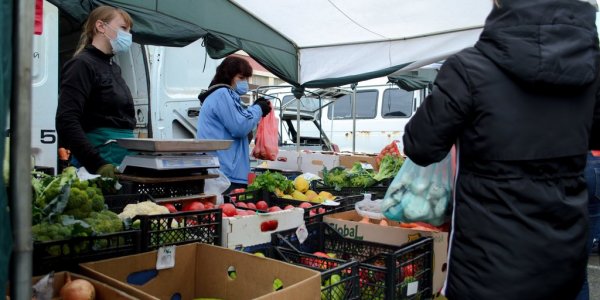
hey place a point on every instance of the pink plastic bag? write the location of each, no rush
(267, 138)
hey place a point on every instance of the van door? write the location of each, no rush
(44, 92)
(177, 76)
(133, 65)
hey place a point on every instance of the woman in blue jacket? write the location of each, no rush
(223, 117)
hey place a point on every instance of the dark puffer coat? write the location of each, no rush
(522, 107)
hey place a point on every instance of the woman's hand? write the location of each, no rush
(264, 104)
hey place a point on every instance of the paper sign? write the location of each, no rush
(165, 258)
(412, 288)
(302, 233)
(330, 203)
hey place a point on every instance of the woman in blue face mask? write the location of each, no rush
(223, 117)
(95, 105)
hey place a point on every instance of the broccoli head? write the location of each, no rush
(389, 167)
(105, 221)
(78, 205)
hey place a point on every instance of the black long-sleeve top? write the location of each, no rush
(93, 94)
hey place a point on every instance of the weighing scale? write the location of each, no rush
(167, 158)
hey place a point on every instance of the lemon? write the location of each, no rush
(301, 184)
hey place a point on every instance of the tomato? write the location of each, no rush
(274, 208)
(408, 270)
(262, 205)
(269, 225)
(305, 205)
(228, 209)
(170, 207)
(193, 205)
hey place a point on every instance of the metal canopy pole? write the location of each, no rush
(353, 86)
(20, 151)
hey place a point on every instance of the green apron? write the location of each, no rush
(104, 140)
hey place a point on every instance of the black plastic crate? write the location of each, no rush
(203, 226)
(291, 175)
(413, 266)
(65, 255)
(378, 191)
(116, 203)
(381, 273)
(163, 189)
(339, 279)
(266, 249)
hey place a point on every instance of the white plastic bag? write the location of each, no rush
(216, 186)
(369, 208)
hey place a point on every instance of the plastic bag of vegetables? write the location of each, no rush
(420, 194)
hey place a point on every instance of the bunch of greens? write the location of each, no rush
(389, 167)
(270, 181)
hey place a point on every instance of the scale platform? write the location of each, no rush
(163, 162)
(170, 157)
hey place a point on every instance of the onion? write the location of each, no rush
(78, 289)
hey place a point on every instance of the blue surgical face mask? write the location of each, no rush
(122, 42)
(241, 87)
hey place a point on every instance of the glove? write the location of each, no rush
(107, 170)
(265, 106)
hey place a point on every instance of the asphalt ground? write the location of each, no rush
(594, 276)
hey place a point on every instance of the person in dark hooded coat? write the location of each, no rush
(521, 106)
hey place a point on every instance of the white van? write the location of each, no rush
(165, 83)
(382, 111)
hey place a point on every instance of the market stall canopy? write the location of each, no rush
(313, 43)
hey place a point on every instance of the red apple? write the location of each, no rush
(250, 212)
(251, 205)
(208, 205)
(321, 254)
(321, 210)
(241, 204)
(241, 212)
(289, 207)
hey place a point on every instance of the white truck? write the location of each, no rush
(165, 83)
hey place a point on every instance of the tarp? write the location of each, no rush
(313, 43)
(6, 10)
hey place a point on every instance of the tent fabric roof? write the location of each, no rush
(313, 43)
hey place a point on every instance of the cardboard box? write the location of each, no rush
(313, 162)
(347, 160)
(286, 160)
(347, 224)
(201, 270)
(103, 291)
(245, 231)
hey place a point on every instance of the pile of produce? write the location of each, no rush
(298, 189)
(391, 149)
(358, 177)
(65, 207)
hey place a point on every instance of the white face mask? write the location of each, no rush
(122, 42)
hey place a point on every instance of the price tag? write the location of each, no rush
(302, 233)
(366, 166)
(165, 258)
(412, 288)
